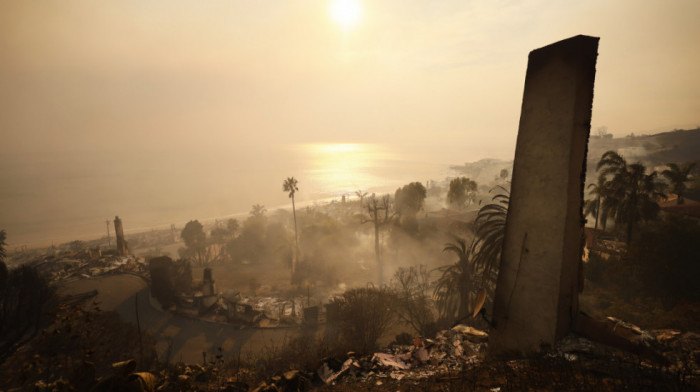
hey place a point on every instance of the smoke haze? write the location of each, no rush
(162, 112)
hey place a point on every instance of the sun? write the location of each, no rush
(345, 13)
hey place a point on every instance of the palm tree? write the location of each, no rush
(290, 185)
(611, 163)
(3, 267)
(455, 287)
(593, 207)
(258, 210)
(630, 194)
(490, 229)
(678, 176)
(3, 237)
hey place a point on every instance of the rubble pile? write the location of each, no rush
(86, 264)
(449, 352)
(204, 302)
(453, 358)
(285, 310)
(258, 312)
(459, 354)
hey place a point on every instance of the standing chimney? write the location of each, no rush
(122, 248)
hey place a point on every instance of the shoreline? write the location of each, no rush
(144, 229)
(350, 196)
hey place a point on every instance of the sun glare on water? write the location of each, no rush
(340, 147)
(345, 13)
(338, 168)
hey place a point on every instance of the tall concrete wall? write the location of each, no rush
(538, 283)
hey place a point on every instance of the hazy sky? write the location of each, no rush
(210, 73)
(133, 78)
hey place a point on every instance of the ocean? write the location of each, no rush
(55, 197)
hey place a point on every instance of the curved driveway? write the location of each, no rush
(189, 337)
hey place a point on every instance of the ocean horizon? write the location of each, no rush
(57, 199)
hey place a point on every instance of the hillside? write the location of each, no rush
(484, 171)
(679, 146)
